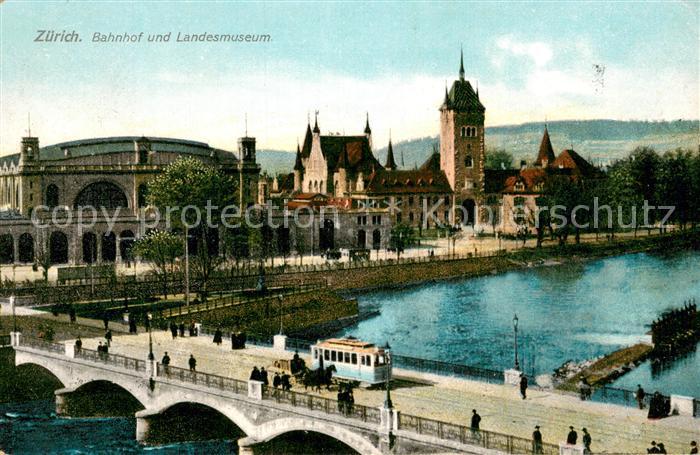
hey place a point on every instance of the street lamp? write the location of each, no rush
(515, 329)
(14, 316)
(387, 400)
(279, 299)
(149, 316)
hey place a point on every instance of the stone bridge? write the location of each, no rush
(261, 413)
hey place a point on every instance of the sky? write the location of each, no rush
(531, 60)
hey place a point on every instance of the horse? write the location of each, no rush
(317, 378)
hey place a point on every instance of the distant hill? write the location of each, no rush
(600, 141)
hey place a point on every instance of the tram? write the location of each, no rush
(354, 360)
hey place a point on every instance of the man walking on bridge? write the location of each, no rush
(537, 440)
(476, 421)
(572, 437)
(193, 363)
(639, 395)
(166, 362)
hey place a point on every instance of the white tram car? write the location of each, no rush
(353, 359)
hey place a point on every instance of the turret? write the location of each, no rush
(390, 162)
(368, 132)
(298, 170)
(246, 149)
(30, 151)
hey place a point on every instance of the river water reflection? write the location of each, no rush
(572, 311)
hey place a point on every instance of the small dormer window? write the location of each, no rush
(519, 186)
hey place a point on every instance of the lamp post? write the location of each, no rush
(149, 316)
(279, 299)
(14, 316)
(387, 401)
(515, 329)
(187, 267)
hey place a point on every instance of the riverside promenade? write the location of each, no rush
(614, 429)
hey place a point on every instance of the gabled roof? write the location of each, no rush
(432, 163)
(546, 153)
(462, 98)
(569, 159)
(530, 178)
(384, 181)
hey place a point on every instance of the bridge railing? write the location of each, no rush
(128, 363)
(41, 344)
(326, 405)
(466, 435)
(204, 379)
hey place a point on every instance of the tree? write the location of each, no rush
(160, 249)
(498, 159)
(194, 193)
(300, 244)
(42, 255)
(675, 184)
(401, 236)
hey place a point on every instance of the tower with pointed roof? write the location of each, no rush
(390, 162)
(462, 149)
(546, 154)
(298, 170)
(368, 131)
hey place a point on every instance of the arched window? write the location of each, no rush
(58, 247)
(101, 194)
(26, 248)
(468, 161)
(52, 196)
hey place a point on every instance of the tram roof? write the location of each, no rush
(349, 343)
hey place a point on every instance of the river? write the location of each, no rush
(572, 311)
(577, 311)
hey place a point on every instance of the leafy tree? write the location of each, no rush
(42, 254)
(498, 159)
(675, 184)
(192, 191)
(623, 196)
(160, 249)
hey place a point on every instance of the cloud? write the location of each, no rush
(540, 53)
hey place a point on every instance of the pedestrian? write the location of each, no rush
(572, 437)
(653, 448)
(286, 385)
(182, 329)
(78, 345)
(191, 329)
(193, 363)
(255, 374)
(105, 320)
(523, 385)
(263, 376)
(662, 449)
(71, 314)
(100, 351)
(165, 361)
(108, 337)
(639, 395)
(276, 380)
(341, 401)
(587, 440)
(693, 447)
(536, 440)
(132, 325)
(350, 402)
(584, 389)
(173, 329)
(476, 421)
(217, 336)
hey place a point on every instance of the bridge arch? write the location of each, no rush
(225, 407)
(277, 427)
